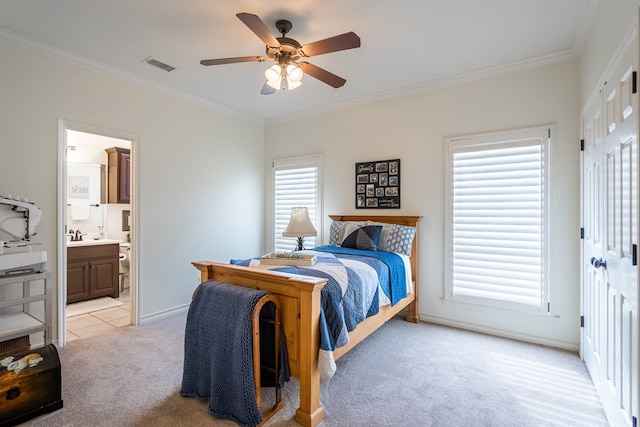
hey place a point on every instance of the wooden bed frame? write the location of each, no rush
(299, 298)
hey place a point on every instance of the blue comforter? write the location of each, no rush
(354, 279)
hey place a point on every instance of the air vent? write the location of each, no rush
(168, 68)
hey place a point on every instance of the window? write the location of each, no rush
(497, 219)
(296, 183)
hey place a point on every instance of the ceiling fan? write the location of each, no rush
(287, 52)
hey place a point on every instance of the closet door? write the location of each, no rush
(610, 221)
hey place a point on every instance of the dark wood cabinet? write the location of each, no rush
(92, 272)
(119, 179)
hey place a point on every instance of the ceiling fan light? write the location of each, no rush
(275, 85)
(291, 85)
(294, 73)
(272, 75)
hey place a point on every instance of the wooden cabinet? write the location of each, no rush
(119, 160)
(17, 315)
(92, 272)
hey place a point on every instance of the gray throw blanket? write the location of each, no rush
(218, 352)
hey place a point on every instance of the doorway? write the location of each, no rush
(96, 268)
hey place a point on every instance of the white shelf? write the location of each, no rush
(21, 323)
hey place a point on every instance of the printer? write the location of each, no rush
(18, 222)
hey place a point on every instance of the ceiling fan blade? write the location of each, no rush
(332, 44)
(267, 90)
(222, 61)
(256, 25)
(322, 75)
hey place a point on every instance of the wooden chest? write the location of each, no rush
(30, 385)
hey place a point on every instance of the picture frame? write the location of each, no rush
(78, 187)
(377, 184)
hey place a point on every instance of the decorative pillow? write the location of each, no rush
(337, 230)
(334, 232)
(366, 237)
(396, 238)
(400, 239)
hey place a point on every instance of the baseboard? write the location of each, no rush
(534, 339)
(164, 313)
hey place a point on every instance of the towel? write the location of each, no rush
(80, 211)
(218, 359)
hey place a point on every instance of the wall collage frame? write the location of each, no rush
(378, 184)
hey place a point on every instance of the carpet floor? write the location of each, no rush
(402, 375)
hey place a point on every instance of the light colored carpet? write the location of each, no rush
(84, 307)
(404, 374)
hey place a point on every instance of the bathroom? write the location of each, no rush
(97, 216)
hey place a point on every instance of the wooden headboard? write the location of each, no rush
(409, 220)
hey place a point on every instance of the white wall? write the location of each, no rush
(413, 129)
(200, 171)
(612, 20)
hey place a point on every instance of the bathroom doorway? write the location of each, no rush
(97, 291)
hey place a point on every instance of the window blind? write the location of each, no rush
(295, 185)
(498, 221)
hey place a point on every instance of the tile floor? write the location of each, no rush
(90, 324)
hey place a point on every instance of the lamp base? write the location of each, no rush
(300, 246)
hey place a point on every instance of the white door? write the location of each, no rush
(610, 221)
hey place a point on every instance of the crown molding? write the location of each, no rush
(402, 91)
(87, 63)
(432, 85)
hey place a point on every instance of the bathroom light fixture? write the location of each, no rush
(300, 226)
(284, 76)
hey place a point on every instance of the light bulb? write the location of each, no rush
(275, 85)
(291, 85)
(294, 73)
(273, 75)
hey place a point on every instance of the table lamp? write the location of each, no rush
(300, 226)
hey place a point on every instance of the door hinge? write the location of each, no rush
(634, 421)
(581, 232)
(634, 87)
(582, 145)
(548, 307)
(582, 321)
(634, 254)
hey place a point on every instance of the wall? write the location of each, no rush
(199, 170)
(612, 21)
(413, 129)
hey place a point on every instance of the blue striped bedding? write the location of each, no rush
(355, 279)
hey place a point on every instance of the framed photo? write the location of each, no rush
(378, 184)
(79, 187)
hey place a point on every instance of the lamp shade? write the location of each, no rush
(300, 224)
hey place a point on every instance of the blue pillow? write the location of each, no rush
(366, 237)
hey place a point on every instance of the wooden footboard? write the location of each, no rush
(299, 298)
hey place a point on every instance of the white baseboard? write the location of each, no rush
(572, 346)
(164, 313)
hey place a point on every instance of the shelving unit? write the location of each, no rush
(21, 323)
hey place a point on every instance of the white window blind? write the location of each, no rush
(498, 206)
(296, 183)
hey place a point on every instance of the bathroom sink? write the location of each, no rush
(91, 242)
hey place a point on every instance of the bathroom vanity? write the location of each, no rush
(92, 270)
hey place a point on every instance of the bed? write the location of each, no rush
(302, 315)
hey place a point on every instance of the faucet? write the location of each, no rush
(76, 236)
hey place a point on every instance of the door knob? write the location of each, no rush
(597, 263)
